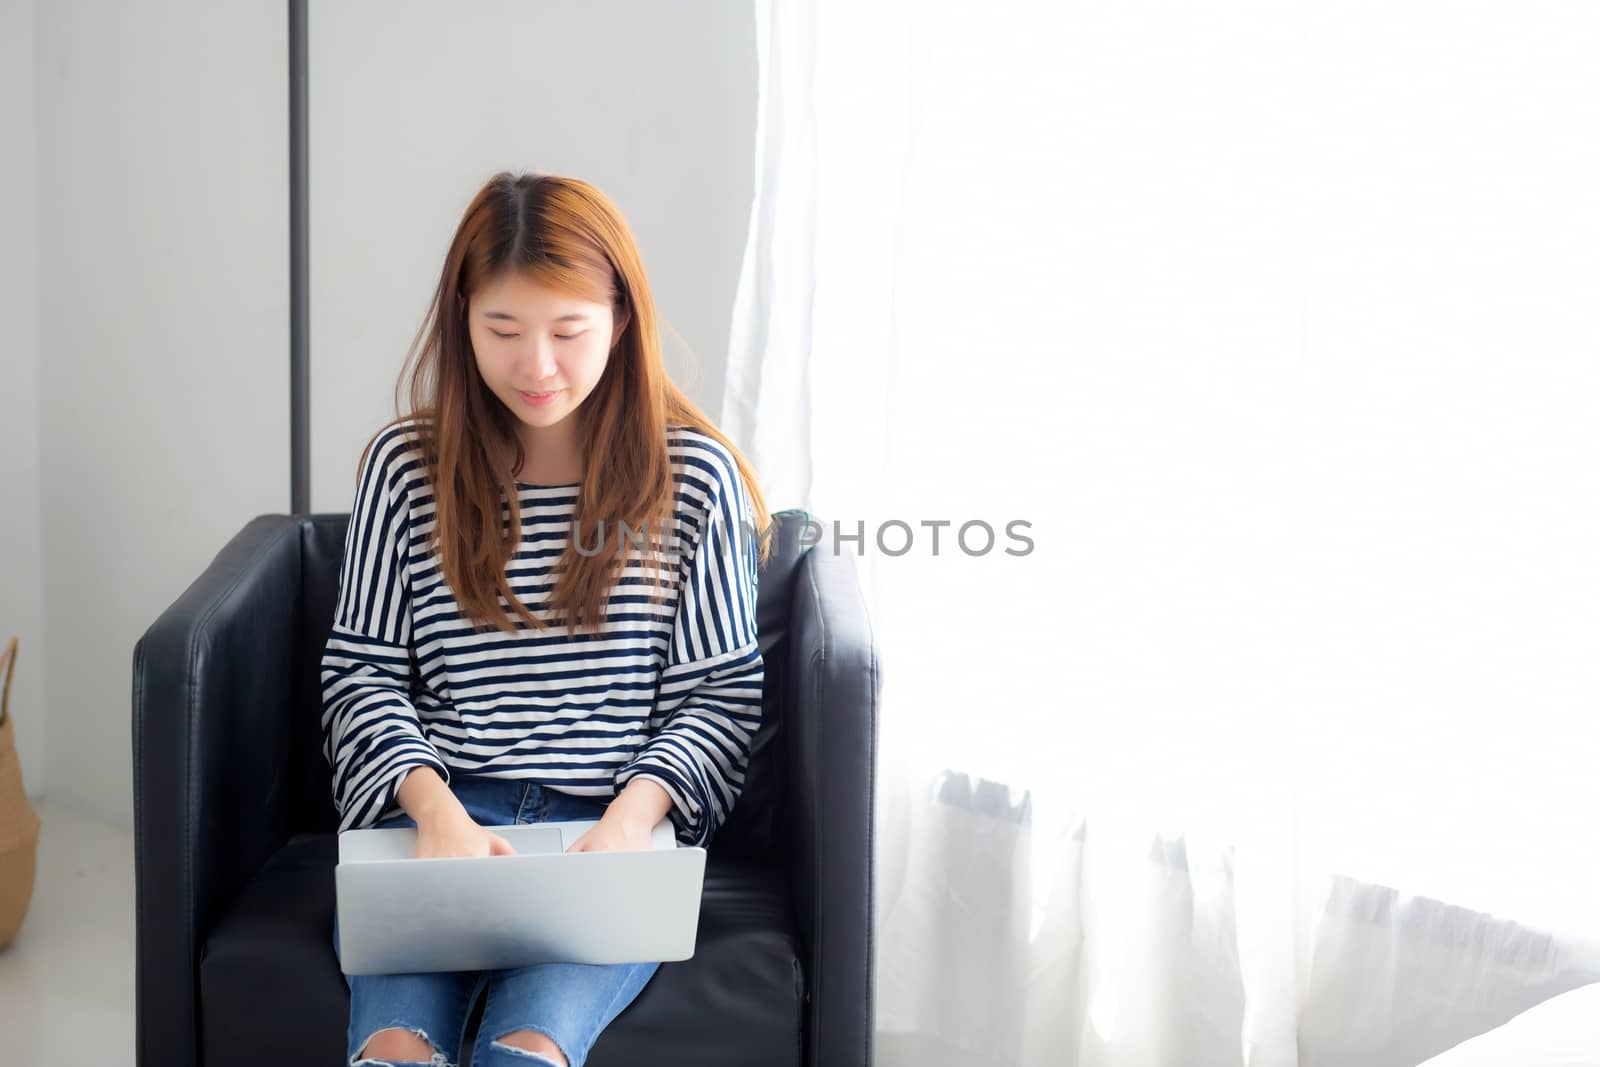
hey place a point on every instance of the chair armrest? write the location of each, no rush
(833, 680)
(212, 696)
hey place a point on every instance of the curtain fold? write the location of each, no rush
(769, 378)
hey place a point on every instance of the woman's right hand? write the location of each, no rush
(453, 832)
(444, 826)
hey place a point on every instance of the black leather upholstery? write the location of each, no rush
(235, 828)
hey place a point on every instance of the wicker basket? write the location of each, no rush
(19, 823)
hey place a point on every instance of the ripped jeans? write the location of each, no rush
(570, 1003)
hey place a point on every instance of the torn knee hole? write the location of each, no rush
(397, 1043)
(531, 1041)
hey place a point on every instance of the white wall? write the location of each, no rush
(163, 307)
(21, 589)
(414, 105)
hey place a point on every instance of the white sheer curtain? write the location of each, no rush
(1272, 738)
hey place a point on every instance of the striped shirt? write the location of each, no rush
(669, 691)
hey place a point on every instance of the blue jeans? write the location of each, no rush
(570, 1003)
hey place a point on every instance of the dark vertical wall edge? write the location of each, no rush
(299, 270)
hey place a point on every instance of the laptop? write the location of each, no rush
(399, 914)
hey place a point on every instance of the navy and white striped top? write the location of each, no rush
(669, 691)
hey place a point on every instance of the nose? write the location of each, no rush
(538, 361)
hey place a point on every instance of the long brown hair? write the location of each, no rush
(568, 235)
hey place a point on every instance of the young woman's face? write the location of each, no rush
(539, 350)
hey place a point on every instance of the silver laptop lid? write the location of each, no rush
(398, 914)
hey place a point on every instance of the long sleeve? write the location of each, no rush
(371, 735)
(709, 701)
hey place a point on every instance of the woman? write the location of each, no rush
(600, 662)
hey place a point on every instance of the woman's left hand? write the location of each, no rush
(614, 831)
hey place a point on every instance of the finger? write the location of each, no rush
(499, 846)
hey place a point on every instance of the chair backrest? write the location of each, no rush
(753, 828)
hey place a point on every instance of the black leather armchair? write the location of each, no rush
(236, 830)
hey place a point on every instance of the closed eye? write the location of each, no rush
(559, 336)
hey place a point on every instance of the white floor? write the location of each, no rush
(66, 982)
